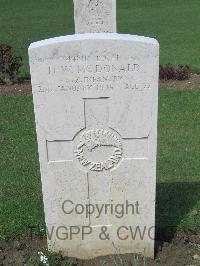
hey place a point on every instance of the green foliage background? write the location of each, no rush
(175, 23)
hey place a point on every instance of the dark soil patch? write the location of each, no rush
(18, 252)
(192, 83)
(24, 88)
(21, 89)
(183, 249)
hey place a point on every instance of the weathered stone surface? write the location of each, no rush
(95, 16)
(95, 100)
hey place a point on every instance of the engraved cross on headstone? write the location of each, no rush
(95, 16)
(97, 150)
(96, 115)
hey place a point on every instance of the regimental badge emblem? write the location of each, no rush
(103, 145)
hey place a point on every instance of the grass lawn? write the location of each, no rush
(178, 185)
(175, 23)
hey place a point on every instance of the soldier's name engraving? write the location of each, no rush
(93, 139)
(94, 68)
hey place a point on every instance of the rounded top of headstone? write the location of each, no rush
(94, 36)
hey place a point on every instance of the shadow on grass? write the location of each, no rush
(173, 203)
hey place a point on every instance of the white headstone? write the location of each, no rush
(95, 101)
(95, 16)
